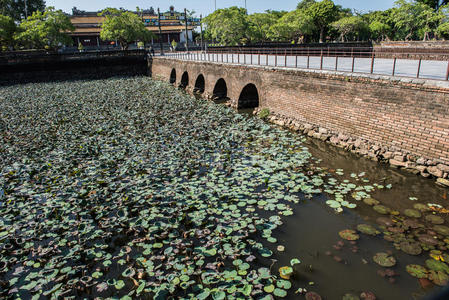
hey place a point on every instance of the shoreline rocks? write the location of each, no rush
(427, 168)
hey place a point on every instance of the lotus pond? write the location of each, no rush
(129, 188)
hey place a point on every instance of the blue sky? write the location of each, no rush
(207, 6)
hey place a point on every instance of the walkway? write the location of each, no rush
(425, 69)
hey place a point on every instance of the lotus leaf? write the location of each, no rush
(436, 265)
(412, 213)
(349, 235)
(441, 229)
(119, 284)
(367, 229)
(284, 284)
(439, 278)
(411, 248)
(294, 261)
(280, 293)
(371, 201)
(285, 272)
(384, 260)
(434, 219)
(381, 209)
(417, 271)
(312, 296)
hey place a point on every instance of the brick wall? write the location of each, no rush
(408, 116)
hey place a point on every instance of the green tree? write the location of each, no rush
(45, 30)
(379, 30)
(228, 26)
(414, 19)
(304, 4)
(442, 30)
(293, 26)
(16, 8)
(7, 31)
(435, 4)
(260, 24)
(350, 28)
(323, 13)
(124, 26)
(380, 24)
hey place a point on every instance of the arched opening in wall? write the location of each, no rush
(199, 84)
(249, 97)
(173, 76)
(220, 90)
(184, 80)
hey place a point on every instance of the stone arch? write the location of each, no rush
(200, 84)
(173, 76)
(220, 90)
(184, 80)
(249, 97)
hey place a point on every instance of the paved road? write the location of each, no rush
(404, 67)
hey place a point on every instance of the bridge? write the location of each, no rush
(396, 119)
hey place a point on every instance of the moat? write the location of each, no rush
(129, 187)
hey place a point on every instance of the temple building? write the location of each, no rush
(172, 25)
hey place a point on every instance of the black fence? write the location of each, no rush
(41, 66)
(7, 58)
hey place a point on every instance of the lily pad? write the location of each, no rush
(285, 272)
(411, 248)
(384, 259)
(367, 229)
(412, 213)
(434, 219)
(417, 271)
(436, 265)
(371, 201)
(381, 209)
(349, 235)
(280, 293)
(441, 229)
(312, 296)
(439, 278)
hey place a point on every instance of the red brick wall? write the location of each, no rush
(412, 117)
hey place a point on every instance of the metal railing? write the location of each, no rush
(337, 59)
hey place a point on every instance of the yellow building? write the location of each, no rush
(88, 27)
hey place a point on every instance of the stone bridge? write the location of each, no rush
(401, 120)
(240, 85)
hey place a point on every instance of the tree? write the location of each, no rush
(380, 24)
(379, 30)
(45, 30)
(323, 13)
(7, 31)
(350, 28)
(304, 4)
(228, 26)
(435, 4)
(16, 8)
(260, 24)
(413, 19)
(443, 29)
(293, 26)
(124, 26)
